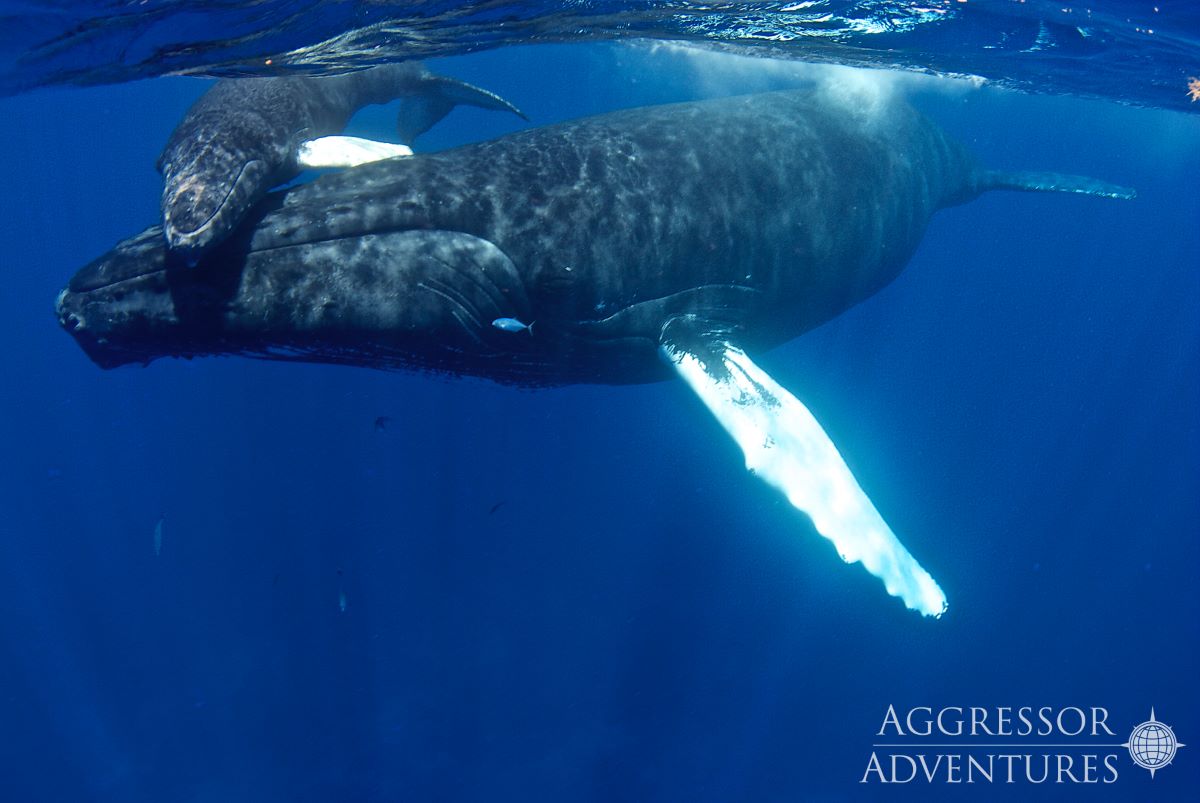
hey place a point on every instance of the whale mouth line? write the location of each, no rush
(116, 282)
(175, 261)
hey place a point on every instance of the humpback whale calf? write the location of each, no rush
(680, 238)
(247, 135)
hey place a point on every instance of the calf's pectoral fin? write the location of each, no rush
(786, 446)
(342, 151)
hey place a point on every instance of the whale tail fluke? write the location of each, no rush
(1034, 181)
(438, 95)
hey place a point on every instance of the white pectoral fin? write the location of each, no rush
(786, 446)
(339, 151)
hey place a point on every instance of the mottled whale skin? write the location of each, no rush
(677, 238)
(765, 215)
(241, 138)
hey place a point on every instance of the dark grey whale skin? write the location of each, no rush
(240, 138)
(751, 218)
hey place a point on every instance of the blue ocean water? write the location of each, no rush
(1128, 50)
(342, 612)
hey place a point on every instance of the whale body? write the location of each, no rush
(674, 239)
(245, 136)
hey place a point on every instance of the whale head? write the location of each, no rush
(215, 168)
(420, 300)
(124, 307)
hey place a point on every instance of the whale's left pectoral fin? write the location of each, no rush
(342, 151)
(786, 447)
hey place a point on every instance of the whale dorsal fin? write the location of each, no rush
(786, 446)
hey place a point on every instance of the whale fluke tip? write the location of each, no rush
(420, 112)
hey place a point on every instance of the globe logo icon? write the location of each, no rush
(1152, 744)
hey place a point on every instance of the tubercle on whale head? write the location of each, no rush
(78, 315)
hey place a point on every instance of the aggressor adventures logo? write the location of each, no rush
(1152, 745)
(1010, 745)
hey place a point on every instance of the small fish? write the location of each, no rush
(513, 325)
(381, 423)
(341, 593)
(158, 534)
(497, 506)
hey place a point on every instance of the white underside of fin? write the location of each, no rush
(342, 151)
(786, 446)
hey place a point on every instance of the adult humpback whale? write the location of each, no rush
(244, 136)
(695, 232)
